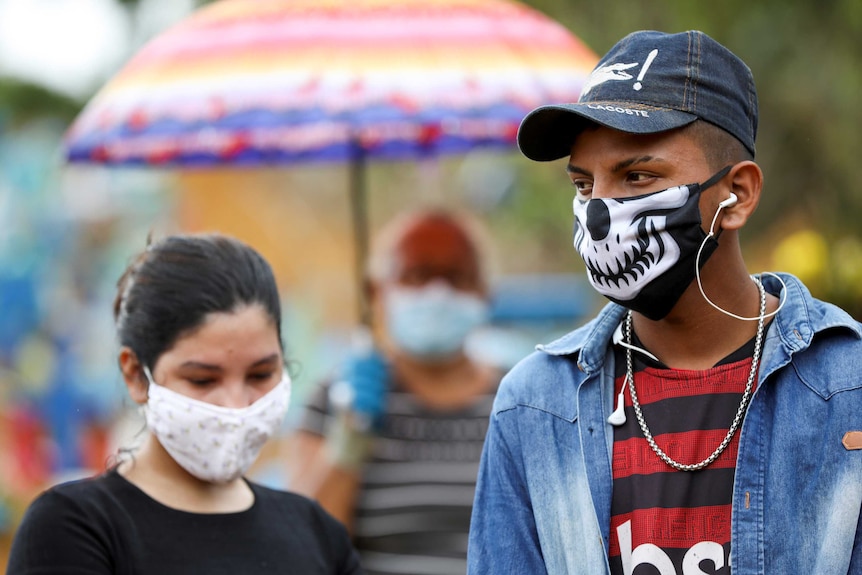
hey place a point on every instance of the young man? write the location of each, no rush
(706, 421)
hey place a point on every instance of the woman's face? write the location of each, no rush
(232, 360)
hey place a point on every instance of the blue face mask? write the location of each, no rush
(432, 322)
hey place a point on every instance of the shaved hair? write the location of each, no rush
(719, 147)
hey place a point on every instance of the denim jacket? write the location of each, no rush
(543, 497)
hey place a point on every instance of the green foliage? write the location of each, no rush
(537, 217)
(24, 101)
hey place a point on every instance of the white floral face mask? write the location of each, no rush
(214, 443)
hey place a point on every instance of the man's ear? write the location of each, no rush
(746, 181)
(133, 375)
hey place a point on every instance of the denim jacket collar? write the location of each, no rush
(792, 329)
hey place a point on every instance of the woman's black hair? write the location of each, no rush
(169, 289)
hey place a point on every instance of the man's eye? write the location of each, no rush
(583, 187)
(261, 376)
(639, 177)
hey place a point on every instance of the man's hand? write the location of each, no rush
(359, 399)
(367, 376)
(361, 389)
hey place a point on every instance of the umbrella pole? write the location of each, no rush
(359, 208)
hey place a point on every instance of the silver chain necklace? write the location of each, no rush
(743, 404)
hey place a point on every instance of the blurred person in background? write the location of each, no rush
(707, 420)
(392, 446)
(198, 319)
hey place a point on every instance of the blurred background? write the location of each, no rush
(67, 232)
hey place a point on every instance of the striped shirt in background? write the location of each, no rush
(416, 494)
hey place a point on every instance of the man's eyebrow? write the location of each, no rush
(619, 166)
(633, 161)
(573, 169)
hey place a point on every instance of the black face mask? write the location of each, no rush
(640, 252)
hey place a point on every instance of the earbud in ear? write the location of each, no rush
(729, 201)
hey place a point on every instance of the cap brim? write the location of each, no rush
(547, 133)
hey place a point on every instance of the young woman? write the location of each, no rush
(198, 320)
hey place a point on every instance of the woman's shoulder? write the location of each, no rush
(68, 515)
(80, 490)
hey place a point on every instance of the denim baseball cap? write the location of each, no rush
(651, 82)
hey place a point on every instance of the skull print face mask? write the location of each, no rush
(640, 252)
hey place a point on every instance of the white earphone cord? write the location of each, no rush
(618, 417)
(710, 302)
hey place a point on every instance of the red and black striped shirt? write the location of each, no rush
(663, 520)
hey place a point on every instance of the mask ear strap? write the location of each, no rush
(149, 375)
(707, 184)
(715, 179)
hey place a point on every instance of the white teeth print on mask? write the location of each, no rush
(640, 251)
(625, 244)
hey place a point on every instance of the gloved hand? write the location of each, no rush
(368, 378)
(359, 399)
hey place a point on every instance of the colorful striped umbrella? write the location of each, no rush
(280, 81)
(251, 82)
